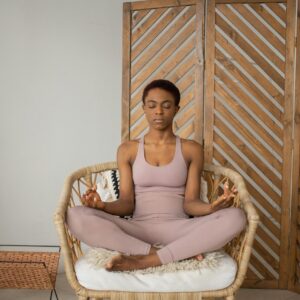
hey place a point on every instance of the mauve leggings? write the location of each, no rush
(181, 237)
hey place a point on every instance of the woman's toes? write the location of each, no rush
(108, 265)
(199, 257)
(113, 261)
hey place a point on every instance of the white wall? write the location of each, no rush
(60, 104)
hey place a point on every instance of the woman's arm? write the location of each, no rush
(197, 208)
(192, 205)
(124, 206)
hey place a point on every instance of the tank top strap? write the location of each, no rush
(140, 148)
(177, 148)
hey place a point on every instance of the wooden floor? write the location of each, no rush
(65, 292)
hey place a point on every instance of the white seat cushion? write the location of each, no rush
(208, 276)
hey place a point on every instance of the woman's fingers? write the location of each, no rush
(90, 198)
(234, 191)
(86, 197)
(226, 187)
(225, 199)
(90, 195)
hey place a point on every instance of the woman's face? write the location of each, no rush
(160, 108)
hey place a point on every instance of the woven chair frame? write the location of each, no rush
(239, 248)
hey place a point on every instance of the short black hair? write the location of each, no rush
(165, 85)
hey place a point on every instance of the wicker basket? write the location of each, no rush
(28, 269)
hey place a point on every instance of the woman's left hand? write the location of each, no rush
(225, 200)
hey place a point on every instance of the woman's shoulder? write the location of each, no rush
(129, 143)
(129, 149)
(191, 148)
(191, 144)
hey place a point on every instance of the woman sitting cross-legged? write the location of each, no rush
(159, 186)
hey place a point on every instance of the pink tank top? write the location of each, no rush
(149, 178)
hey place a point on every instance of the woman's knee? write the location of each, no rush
(76, 217)
(73, 217)
(236, 219)
(81, 218)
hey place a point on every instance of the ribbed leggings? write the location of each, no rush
(181, 237)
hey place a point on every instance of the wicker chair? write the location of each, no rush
(239, 248)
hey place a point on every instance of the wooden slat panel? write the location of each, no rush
(251, 52)
(261, 28)
(250, 171)
(136, 35)
(265, 187)
(269, 18)
(248, 113)
(251, 36)
(163, 45)
(247, 151)
(250, 274)
(242, 112)
(260, 79)
(218, 156)
(138, 16)
(242, 86)
(259, 147)
(159, 59)
(153, 33)
(279, 11)
(172, 70)
(263, 252)
(260, 267)
(180, 71)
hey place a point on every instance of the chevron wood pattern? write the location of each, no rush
(162, 45)
(248, 102)
(236, 75)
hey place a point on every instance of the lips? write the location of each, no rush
(158, 120)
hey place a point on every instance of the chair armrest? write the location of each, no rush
(71, 247)
(241, 246)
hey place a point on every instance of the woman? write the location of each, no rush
(159, 186)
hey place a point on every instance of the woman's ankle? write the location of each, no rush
(153, 250)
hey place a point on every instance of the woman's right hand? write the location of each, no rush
(225, 200)
(92, 199)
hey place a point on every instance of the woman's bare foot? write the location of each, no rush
(122, 262)
(153, 250)
(198, 257)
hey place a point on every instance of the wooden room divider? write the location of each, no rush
(160, 39)
(235, 65)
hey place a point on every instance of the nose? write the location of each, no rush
(158, 110)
